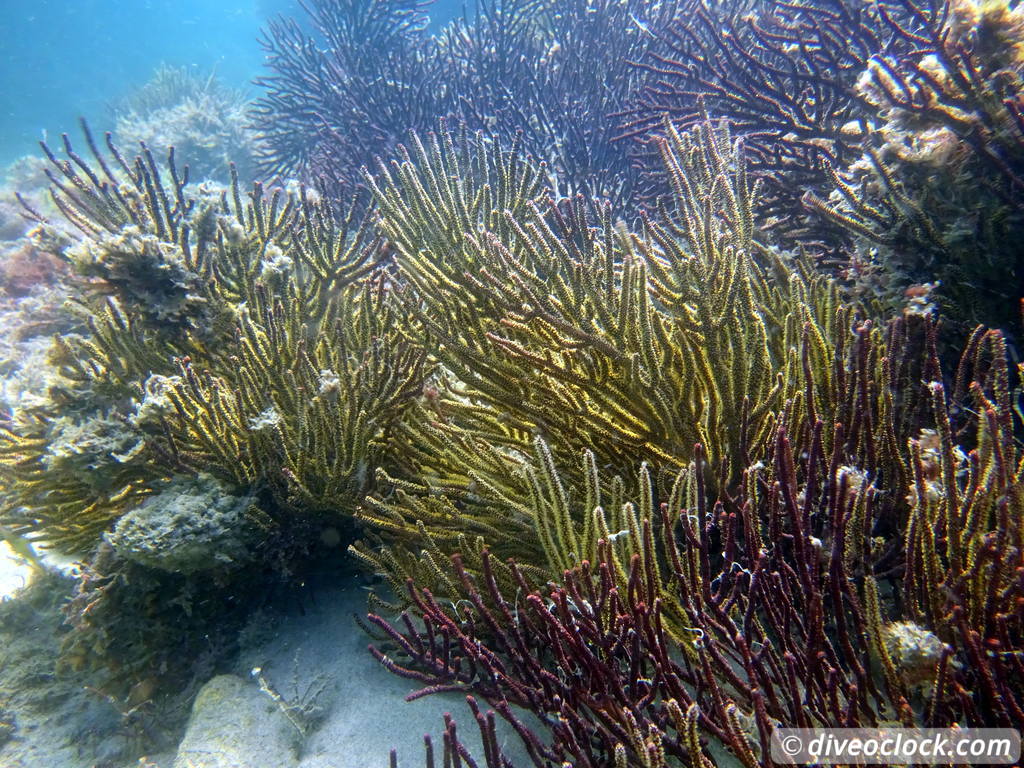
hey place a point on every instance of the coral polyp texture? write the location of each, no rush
(254, 341)
(188, 526)
(350, 78)
(658, 360)
(709, 627)
(887, 136)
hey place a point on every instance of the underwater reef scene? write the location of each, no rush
(653, 368)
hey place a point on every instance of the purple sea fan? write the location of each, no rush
(348, 87)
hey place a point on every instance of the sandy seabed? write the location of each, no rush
(311, 655)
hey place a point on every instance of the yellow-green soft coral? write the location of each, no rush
(551, 323)
(559, 336)
(256, 340)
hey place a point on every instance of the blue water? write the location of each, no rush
(61, 59)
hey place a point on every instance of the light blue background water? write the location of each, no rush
(61, 59)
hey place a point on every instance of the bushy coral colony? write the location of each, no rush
(205, 121)
(636, 347)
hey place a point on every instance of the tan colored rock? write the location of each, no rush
(235, 725)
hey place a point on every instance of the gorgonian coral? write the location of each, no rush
(352, 88)
(575, 326)
(232, 386)
(690, 332)
(817, 580)
(201, 118)
(758, 503)
(788, 593)
(782, 73)
(346, 91)
(897, 121)
(254, 341)
(938, 191)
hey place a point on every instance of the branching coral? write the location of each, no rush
(236, 379)
(522, 508)
(897, 121)
(256, 342)
(69, 498)
(349, 92)
(202, 119)
(789, 593)
(782, 73)
(938, 189)
(814, 581)
(307, 411)
(604, 354)
(652, 480)
(555, 71)
(965, 538)
(550, 517)
(854, 108)
(547, 325)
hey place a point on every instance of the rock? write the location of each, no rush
(235, 725)
(24, 268)
(193, 524)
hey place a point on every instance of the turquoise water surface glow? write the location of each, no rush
(66, 58)
(61, 59)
